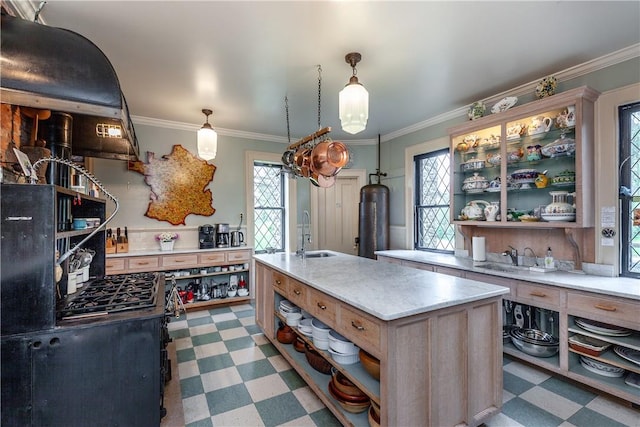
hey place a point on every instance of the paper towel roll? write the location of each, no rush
(479, 253)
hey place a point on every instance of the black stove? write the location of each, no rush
(111, 294)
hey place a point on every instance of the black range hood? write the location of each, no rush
(56, 69)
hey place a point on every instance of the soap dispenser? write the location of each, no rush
(548, 260)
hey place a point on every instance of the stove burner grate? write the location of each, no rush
(113, 294)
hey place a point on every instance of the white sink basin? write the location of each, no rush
(496, 266)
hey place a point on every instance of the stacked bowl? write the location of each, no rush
(320, 334)
(342, 350)
(348, 395)
(534, 342)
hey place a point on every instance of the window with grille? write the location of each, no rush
(268, 207)
(629, 116)
(433, 231)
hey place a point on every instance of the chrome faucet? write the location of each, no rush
(513, 253)
(305, 235)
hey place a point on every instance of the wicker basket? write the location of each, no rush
(316, 361)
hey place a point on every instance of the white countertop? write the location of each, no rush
(625, 287)
(386, 291)
(155, 252)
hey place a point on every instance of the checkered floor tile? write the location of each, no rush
(230, 375)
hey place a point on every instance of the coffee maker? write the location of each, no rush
(222, 235)
(206, 236)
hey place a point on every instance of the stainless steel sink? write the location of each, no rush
(318, 254)
(502, 267)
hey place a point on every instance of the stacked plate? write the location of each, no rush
(629, 354)
(602, 328)
(287, 307)
(601, 368)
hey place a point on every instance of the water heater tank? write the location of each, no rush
(373, 226)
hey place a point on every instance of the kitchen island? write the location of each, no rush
(438, 337)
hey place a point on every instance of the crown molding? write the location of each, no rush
(605, 61)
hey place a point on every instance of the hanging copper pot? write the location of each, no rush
(328, 157)
(303, 161)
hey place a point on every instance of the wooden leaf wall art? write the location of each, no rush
(178, 184)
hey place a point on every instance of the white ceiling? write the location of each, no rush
(419, 59)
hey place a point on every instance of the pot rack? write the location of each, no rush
(307, 142)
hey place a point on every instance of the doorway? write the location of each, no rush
(335, 212)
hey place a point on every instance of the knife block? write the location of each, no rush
(110, 248)
(122, 247)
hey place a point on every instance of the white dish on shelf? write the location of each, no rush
(632, 379)
(629, 354)
(504, 104)
(601, 367)
(602, 328)
(475, 191)
(558, 216)
(492, 189)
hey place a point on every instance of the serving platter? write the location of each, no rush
(558, 217)
(559, 147)
(601, 368)
(602, 328)
(628, 353)
(504, 104)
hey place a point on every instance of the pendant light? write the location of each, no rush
(354, 100)
(207, 139)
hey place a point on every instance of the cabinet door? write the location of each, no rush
(265, 300)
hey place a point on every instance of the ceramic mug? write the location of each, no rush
(534, 153)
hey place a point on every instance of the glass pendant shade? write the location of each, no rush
(207, 140)
(353, 107)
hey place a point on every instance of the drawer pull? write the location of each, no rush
(538, 294)
(605, 307)
(322, 306)
(278, 282)
(297, 292)
(143, 263)
(358, 327)
(178, 260)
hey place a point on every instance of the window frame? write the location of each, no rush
(626, 228)
(282, 204)
(417, 176)
(290, 197)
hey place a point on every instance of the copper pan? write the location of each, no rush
(303, 161)
(328, 157)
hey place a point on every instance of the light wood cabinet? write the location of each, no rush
(492, 149)
(570, 304)
(437, 368)
(191, 263)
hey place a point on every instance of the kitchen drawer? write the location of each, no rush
(539, 294)
(211, 258)
(144, 263)
(322, 306)
(233, 256)
(360, 328)
(280, 282)
(298, 293)
(114, 266)
(604, 308)
(180, 261)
